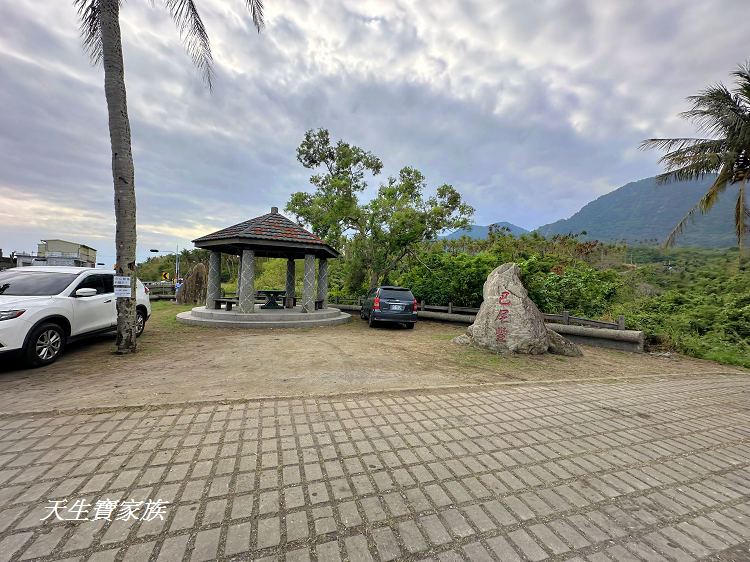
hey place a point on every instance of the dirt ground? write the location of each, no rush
(178, 363)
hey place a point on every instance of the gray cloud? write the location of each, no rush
(530, 108)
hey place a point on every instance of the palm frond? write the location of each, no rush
(717, 112)
(673, 144)
(91, 28)
(688, 167)
(704, 205)
(742, 74)
(677, 230)
(711, 196)
(193, 34)
(256, 11)
(724, 116)
(741, 215)
(688, 158)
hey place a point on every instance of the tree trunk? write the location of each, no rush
(374, 278)
(122, 168)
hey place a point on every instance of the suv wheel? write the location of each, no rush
(362, 314)
(370, 321)
(140, 322)
(46, 343)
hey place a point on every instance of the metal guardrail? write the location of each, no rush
(564, 318)
(160, 290)
(567, 319)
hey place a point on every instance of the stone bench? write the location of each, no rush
(229, 302)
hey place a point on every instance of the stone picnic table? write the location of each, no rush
(272, 296)
(272, 300)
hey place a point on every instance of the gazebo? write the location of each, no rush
(269, 236)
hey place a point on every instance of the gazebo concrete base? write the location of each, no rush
(262, 318)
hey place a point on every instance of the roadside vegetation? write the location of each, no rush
(694, 301)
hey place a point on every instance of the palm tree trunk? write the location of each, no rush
(122, 168)
(740, 219)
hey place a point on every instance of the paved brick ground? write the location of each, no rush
(656, 470)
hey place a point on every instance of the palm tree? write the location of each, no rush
(100, 29)
(723, 116)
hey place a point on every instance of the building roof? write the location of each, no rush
(68, 242)
(271, 234)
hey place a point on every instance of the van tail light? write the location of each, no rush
(376, 303)
(147, 289)
(414, 305)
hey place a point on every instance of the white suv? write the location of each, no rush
(44, 308)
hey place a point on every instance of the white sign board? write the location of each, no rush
(122, 281)
(123, 292)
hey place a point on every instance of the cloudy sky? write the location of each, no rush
(531, 109)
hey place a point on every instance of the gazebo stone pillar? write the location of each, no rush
(239, 275)
(291, 278)
(247, 282)
(308, 286)
(323, 281)
(213, 290)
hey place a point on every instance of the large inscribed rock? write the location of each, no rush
(508, 321)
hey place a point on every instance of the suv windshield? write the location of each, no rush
(400, 294)
(34, 283)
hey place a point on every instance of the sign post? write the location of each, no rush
(123, 289)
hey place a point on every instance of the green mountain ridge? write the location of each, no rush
(644, 212)
(481, 232)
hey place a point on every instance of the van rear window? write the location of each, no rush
(401, 294)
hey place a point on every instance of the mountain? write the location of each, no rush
(642, 211)
(478, 232)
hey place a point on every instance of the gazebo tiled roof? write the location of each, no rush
(269, 231)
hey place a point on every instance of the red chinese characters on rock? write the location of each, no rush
(503, 317)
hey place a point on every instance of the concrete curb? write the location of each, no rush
(624, 340)
(192, 320)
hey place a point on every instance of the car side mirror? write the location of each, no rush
(86, 292)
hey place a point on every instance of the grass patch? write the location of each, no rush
(164, 314)
(443, 337)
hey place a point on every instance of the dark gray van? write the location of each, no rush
(390, 304)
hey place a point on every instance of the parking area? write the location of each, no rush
(652, 470)
(178, 364)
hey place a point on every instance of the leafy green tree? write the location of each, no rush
(100, 28)
(723, 116)
(380, 233)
